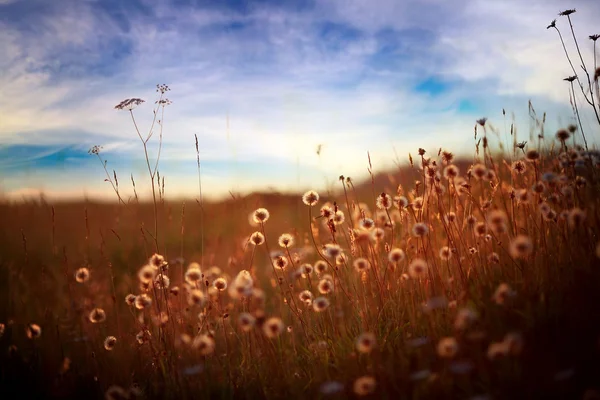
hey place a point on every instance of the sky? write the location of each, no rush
(264, 84)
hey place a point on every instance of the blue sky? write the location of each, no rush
(263, 83)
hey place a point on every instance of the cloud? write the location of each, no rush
(272, 81)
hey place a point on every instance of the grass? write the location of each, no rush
(445, 279)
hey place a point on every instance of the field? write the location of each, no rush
(445, 278)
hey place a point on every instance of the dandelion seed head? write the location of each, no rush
(417, 268)
(33, 331)
(420, 229)
(367, 223)
(396, 256)
(97, 315)
(246, 321)
(196, 297)
(146, 274)
(445, 253)
(306, 297)
(521, 246)
(273, 327)
(479, 171)
(417, 203)
(310, 198)
(82, 275)
(280, 262)
(364, 385)
(384, 201)
(365, 343)
(109, 343)
(204, 344)
(321, 266)
(502, 294)
(261, 216)
(332, 250)
(401, 202)
(320, 304)
(325, 286)
(447, 347)
(286, 240)
(464, 318)
(130, 299)
(257, 238)
(220, 284)
(162, 282)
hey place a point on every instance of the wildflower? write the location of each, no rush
(204, 344)
(280, 262)
(246, 321)
(129, 104)
(464, 318)
(97, 315)
(563, 135)
(521, 246)
(326, 212)
(325, 286)
(445, 253)
(146, 274)
(261, 215)
(242, 285)
(33, 331)
(400, 202)
(519, 167)
(310, 198)
(338, 217)
(480, 229)
(367, 223)
(451, 172)
(396, 255)
(320, 266)
(193, 275)
(162, 282)
(286, 240)
(447, 347)
(157, 262)
(320, 304)
(378, 234)
(143, 301)
(220, 284)
(420, 229)
(503, 293)
(130, 299)
(82, 275)
(417, 268)
(384, 201)
(532, 155)
(332, 250)
(273, 327)
(365, 343)
(110, 342)
(364, 385)
(306, 269)
(306, 297)
(479, 171)
(196, 298)
(361, 264)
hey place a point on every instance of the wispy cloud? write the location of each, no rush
(262, 84)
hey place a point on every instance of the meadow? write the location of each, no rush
(446, 278)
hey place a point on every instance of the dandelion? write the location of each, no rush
(396, 256)
(196, 298)
(306, 297)
(563, 135)
(157, 262)
(306, 269)
(143, 301)
(204, 344)
(538, 187)
(338, 217)
(384, 201)
(447, 347)
(146, 274)
(332, 250)
(246, 321)
(445, 253)
(420, 229)
(417, 203)
(320, 267)
(97, 315)
(451, 172)
(502, 294)
(162, 282)
(365, 343)
(325, 286)
(193, 275)
(310, 198)
(378, 234)
(400, 202)
(326, 212)
(109, 343)
(364, 385)
(417, 268)
(261, 215)
(220, 284)
(286, 240)
(242, 285)
(33, 331)
(130, 299)
(361, 264)
(82, 275)
(367, 223)
(320, 304)
(479, 171)
(464, 318)
(521, 246)
(480, 229)
(280, 262)
(273, 327)
(519, 167)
